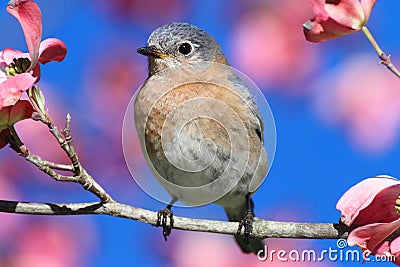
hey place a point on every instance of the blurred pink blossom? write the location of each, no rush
(114, 84)
(361, 97)
(51, 244)
(9, 223)
(268, 46)
(371, 206)
(204, 249)
(147, 13)
(26, 240)
(335, 18)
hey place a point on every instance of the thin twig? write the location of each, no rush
(39, 162)
(385, 59)
(57, 166)
(69, 143)
(81, 176)
(45, 166)
(64, 139)
(262, 228)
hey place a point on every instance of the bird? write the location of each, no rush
(200, 128)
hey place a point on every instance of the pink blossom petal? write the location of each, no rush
(388, 249)
(367, 6)
(348, 13)
(9, 55)
(395, 248)
(382, 208)
(52, 49)
(382, 249)
(320, 31)
(319, 9)
(3, 75)
(335, 18)
(20, 111)
(3, 66)
(11, 89)
(372, 235)
(9, 95)
(360, 196)
(313, 27)
(325, 26)
(28, 13)
(12, 114)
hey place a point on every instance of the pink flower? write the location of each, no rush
(335, 18)
(10, 115)
(19, 71)
(370, 207)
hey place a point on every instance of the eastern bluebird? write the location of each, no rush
(200, 128)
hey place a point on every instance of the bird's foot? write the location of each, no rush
(165, 218)
(247, 224)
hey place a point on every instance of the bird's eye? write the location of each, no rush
(185, 48)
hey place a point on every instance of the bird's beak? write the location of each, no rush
(151, 51)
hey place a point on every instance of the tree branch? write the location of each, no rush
(385, 59)
(64, 139)
(262, 228)
(67, 145)
(44, 165)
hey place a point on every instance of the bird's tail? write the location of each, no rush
(236, 214)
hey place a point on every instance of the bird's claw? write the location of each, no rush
(162, 220)
(247, 224)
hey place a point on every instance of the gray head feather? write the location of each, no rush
(198, 45)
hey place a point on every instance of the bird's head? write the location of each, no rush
(177, 44)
